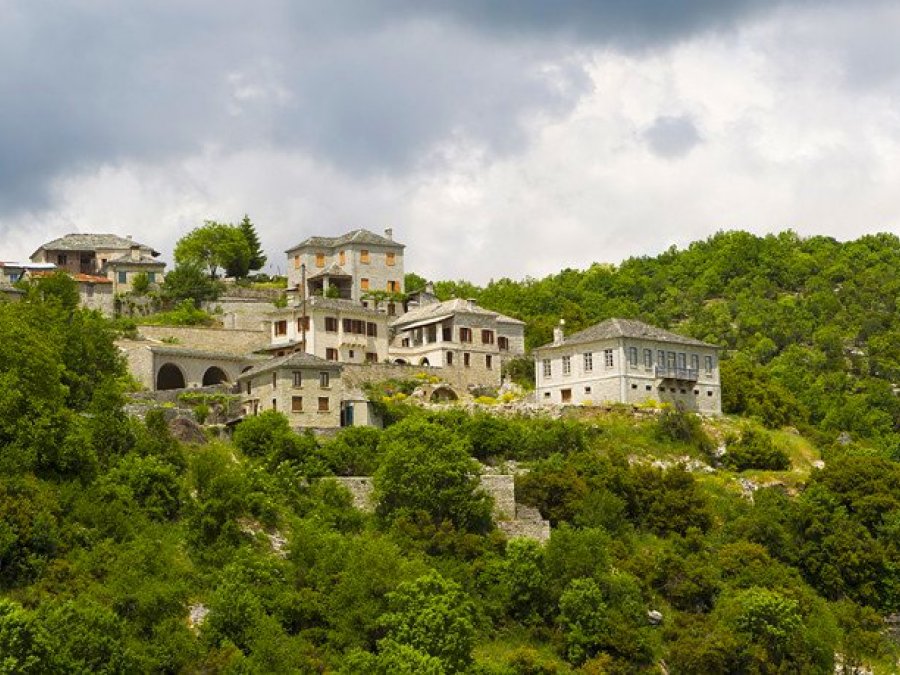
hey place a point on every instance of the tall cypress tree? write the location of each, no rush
(257, 257)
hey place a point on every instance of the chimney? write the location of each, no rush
(389, 233)
(135, 252)
(471, 302)
(558, 334)
(429, 288)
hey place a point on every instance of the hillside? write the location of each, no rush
(710, 546)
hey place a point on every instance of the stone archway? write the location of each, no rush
(400, 362)
(443, 394)
(214, 375)
(424, 361)
(169, 376)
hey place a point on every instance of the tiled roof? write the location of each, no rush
(77, 276)
(91, 242)
(438, 310)
(295, 360)
(630, 328)
(359, 236)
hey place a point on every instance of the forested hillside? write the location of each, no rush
(123, 550)
(810, 326)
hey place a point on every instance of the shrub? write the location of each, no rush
(756, 450)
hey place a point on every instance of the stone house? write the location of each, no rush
(307, 389)
(94, 291)
(122, 269)
(11, 272)
(350, 265)
(456, 334)
(334, 330)
(627, 361)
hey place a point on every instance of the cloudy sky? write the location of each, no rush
(497, 138)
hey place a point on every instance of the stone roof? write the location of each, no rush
(91, 242)
(320, 302)
(629, 328)
(7, 289)
(295, 360)
(127, 259)
(201, 353)
(440, 310)
(359, 236)
(333, 270)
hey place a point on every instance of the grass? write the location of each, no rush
(516, 645)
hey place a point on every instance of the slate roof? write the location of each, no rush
(295, 360)
(91, 242)
(200, 353)
(440, 310)
(320, 302)
(359, 236)
(629, 328)
(333, 270)
(126, 259)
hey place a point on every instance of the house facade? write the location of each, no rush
(456, 334)
(88, 253)
(123, 269)
(348, 267)
(627, 361)
(305, 388)
(334, 330)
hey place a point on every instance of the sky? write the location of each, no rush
(504, 138)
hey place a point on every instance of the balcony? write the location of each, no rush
(673, 373)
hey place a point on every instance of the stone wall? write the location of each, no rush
(242, 313)
(207, 339)
(515, 520)
(460, 378)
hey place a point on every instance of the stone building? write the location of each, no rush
(123, 269)
(349, 266)
(627, 361)
(305, 388)
(94, 291)
(456, 334)
(11, 272)
(334, 330)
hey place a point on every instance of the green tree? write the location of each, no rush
(257, 257)
(213, 246)
(428, 469)
(433, 616)
(188, 281)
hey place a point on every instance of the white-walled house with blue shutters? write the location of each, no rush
(628, 361)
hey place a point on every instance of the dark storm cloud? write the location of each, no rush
(672, 136)
(364, 86)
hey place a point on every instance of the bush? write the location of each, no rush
(756, 450)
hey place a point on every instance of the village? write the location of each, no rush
(348, 322)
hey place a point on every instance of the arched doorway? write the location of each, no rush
(169, 376)
(443, 395)
(214, 375)
(424, 361)
(400, 362)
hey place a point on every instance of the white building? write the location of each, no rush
(334, 330)
(456, 333)
(627, 361)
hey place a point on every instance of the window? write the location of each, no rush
(331, 324)
(323, 404)
(372, 329)
(280, 328)
(634, 386)
(302, 323)
(608, 358)
(331, 354)
(298, 378)
(547, 368)
(351, 354)
(488, 361)
(393, 286)
(324, 379)
(487, 337)
(648, 387)
(274, 404)
(587, 390)
(467, 359)
(670, 359)
(390, 258)
(248, 386)
(709, 392)
(648, 358)
(567, 365)
(503, 343)
(123, 277)
(447, 333)
(364, 284)
(274, 380)
(320, 260)
(354, 326)
(465, 334)
(364, 256)
(708, 364)
(296, 404)
(342, 256)
(632, 357)
(661, 358)
(695, 362)
(61, 259)
(588, 362)
(682, 360)
(404, 342)
(566, 395)
(449, 358)
(546, 394)
(371, 357)
(151, 277)
(696, 392)
(296, 262)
